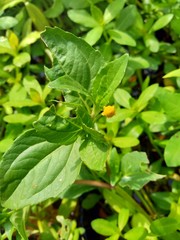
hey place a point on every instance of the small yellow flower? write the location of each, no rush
(108, 111)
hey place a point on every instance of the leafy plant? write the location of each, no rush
(101, 130)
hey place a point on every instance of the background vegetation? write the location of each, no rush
(91, 91)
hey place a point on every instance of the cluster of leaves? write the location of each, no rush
(106, 118)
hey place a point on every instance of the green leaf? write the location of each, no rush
(73, 56)
(125, 142)
(21, 59)
(108, 79)
(94, 35)
(18, 220)
(30, 83)
(122, 97)
(34, 170)
(138, 62)
(7, 22)
(127, 17)
(19, 118)
(37, 16)
(174, 73)
(67, 83)
(162, 22)
(169, 102)
(123, 217)
(56, 129)
(104, 227)
(31, 38)
(117, 202)
(114, 166)
(55, 10)
(172, 151)
(5, 47)
(145, 97)
(82, 17)
(122, 38)
(164, 226)
(112, 10)
(9, 3)
(151, 42)
(94, 154)
(153, 117)
(138, 233)
(135, 171)
(97, 14)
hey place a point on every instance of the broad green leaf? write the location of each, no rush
(138, 233)
(112, 10)
(104, 227)
(5, 47)
(153, 117)
(122, 38)
(88, 125)
(125, 142)
(34, 170)
(151, 42)
(135, 170)
(18, 219)
(169, 102)
(21, 59)
(114, 166)
(145, 97)
(76, 4)
(113, 237)
(31, 38)
(108, 79)
(117, 202)
(13, 40)
(122, 97)
(20, 118)
(17, 90)
(162, 22)
(140, 220)
(138, 62)
(30, 83)
(94, 35)
(67, 83)
(164, 226)
(120, 115)
(37, 16)
(97, 14)
(172, 151)
(94, 154)
(55, 10)
(7, 22)
(123, 217)
(56, 129)
(82, 17)
(73, 56)
(163, 200)
(127, 17)
(9, 3)
(174, 73)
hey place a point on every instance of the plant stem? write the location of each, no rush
(94, 183)
(127, 197)
(146, 202)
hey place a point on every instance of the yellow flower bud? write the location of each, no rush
(108, 111)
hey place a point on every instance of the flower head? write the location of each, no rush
(108, 111)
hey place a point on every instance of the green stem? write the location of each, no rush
(149, 134)
(140, 78)
(146, 202)
(147, 199)
(128, 198)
